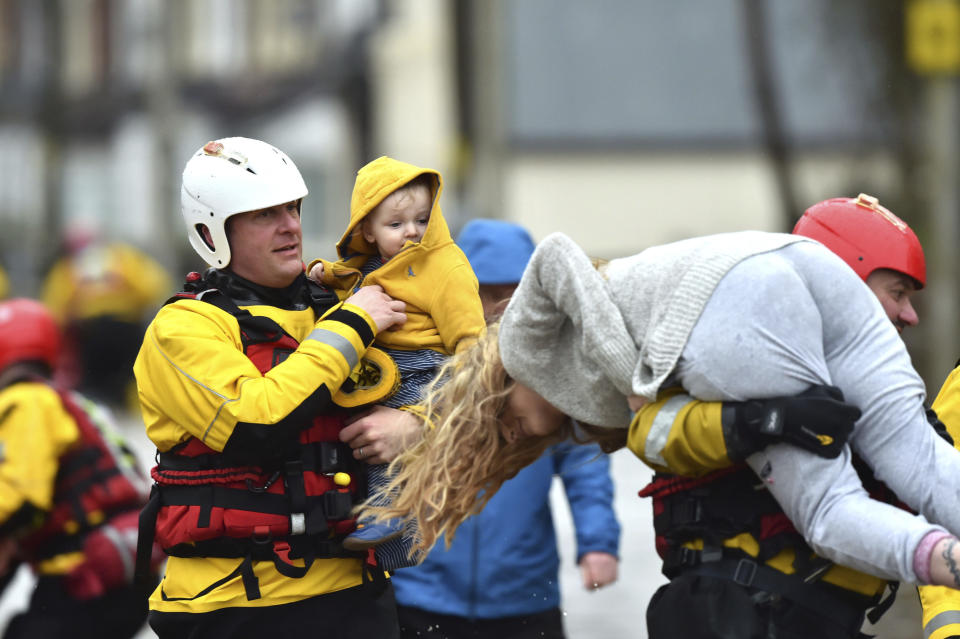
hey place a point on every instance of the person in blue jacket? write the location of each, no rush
(499, 578)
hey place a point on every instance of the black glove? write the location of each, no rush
(817, 420)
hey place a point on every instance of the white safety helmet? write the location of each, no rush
(230, 176)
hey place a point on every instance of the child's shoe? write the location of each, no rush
(370, 534)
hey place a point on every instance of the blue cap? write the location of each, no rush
(498, 251)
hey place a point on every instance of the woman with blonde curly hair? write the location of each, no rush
(728, 317)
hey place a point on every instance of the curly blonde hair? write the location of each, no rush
(463, 458)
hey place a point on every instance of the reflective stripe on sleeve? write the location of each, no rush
(660, 429)
(945, 618)
(338, 342)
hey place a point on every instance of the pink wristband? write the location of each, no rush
(921, 556)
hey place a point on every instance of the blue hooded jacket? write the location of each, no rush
(503, 561)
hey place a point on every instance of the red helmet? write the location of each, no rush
(865, 235)
(27, 332)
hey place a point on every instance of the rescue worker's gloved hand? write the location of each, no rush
(817, 420)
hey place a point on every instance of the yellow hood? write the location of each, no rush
(376, 181)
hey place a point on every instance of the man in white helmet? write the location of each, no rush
(253, 490)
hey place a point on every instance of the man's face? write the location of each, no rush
(266, 245)
(894, 290)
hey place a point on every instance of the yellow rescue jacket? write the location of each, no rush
(432, 276)
(63, 474)
(941, 605)
(194, 380)
(111, 279)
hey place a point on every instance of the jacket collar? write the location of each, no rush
(300, 295)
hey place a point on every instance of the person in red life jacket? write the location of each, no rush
(70, 493)
(711, 516)
(255, 484)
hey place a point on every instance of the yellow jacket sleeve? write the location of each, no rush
(679, 434)
(35, 431)
(941, 612)
(194, 380)
(941, 606)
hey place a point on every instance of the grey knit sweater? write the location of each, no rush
(585, 340)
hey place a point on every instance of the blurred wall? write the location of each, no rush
(624, 123)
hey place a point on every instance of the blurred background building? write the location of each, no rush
(624, 123)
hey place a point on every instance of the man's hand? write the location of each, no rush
(380, 434)
(384, 310)
(598, 569)
(817, 420)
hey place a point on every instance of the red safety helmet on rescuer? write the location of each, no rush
(27, 333)
(865, 235)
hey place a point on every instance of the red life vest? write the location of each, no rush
(97, 479)
(206, 505)
(715, 507)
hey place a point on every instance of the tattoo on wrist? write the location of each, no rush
(951, 562)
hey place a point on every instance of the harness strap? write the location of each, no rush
(251, 584)
(265, 550)
(664, 485)
(317, 457)
(884, 605)
(373, 577)
(750, 574)
(331, 505)
(147, 526)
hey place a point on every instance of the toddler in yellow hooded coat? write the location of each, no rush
(397, 238)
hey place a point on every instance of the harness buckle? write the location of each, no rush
(261, 535)
(282, 550)
(253, 488)
(745, 572)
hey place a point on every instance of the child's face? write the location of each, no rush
(401, 217)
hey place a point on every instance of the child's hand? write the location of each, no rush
(316, 273)
(636, 402)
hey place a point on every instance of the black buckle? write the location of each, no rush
(330, 457)
(745, 572)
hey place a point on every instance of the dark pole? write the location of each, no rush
(773, 135)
